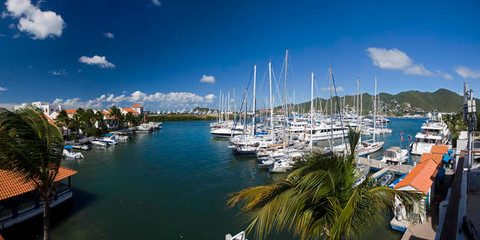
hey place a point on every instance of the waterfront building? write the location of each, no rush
(47, 108)
(19, 201)
(138, 108)
(422, 179)
(129, 110)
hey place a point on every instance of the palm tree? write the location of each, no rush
(320, 200)
(129, 118)
(63, 120)
(117, 113)
(32, 147)
(101, 126)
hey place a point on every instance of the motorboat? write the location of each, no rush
(226, 132)
(384, 180)
(434, 132)
(69, 153)
(144, 128)
(266, 162)
(82, 147)
(280, 166)
(395, 155)
(99, 143)
(109, 139)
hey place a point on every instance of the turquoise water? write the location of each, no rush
(172, 184)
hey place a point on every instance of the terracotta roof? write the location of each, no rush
(48, 118)
(12, 184)
(130, 110)
(105, 112)
(421, 177)
(137, 106)
(437, 158)
(71, 111)
(439, 149)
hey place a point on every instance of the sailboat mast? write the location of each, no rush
(286, 68)
(311, 116)
(254, 99)
(331, 109)
(375, 111)
(228, 106)
(220, 106)
(357, 108)
(234, 108)
(271, 100)
(286, 104)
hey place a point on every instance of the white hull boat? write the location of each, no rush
(395, 155)
(68, 153)
(99, 143)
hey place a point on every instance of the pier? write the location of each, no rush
(384, 167)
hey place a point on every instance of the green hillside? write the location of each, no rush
(442, 100)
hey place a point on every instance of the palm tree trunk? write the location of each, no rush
(46, 218)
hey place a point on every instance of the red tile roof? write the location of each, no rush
(12, 183)
(421, 177)
(49, 118)
(137, 106)
(105, 112)
(71, 111)
(439, 149)
(130, 110)
(437, 158)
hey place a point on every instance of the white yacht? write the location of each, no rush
(434, 132)
(395, 155)
(226, 132)
(325, 132)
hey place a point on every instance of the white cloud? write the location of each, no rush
(109, 35)
(394, 59)
(327, 89)
(159, 100)
(8, 105)
(97, 60)
(445, 75)
(209, 98)
(207, 79)
(466, 72)
(39, 24)
(58, 72)
(157, 3)
(3, 89)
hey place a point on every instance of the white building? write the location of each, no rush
(138, 108)
(47, 108)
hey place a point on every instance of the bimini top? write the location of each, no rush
(12, 183)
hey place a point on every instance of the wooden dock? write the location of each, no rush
(383, 166)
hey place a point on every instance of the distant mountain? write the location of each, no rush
(442, 100)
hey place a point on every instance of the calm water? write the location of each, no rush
(172, 184)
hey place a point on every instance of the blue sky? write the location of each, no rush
(98, 53)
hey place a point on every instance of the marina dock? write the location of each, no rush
(383, 166)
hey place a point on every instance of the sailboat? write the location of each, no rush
(370, 146)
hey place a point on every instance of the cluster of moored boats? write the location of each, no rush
(109, 139)
(280, 136)
(279, 140)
